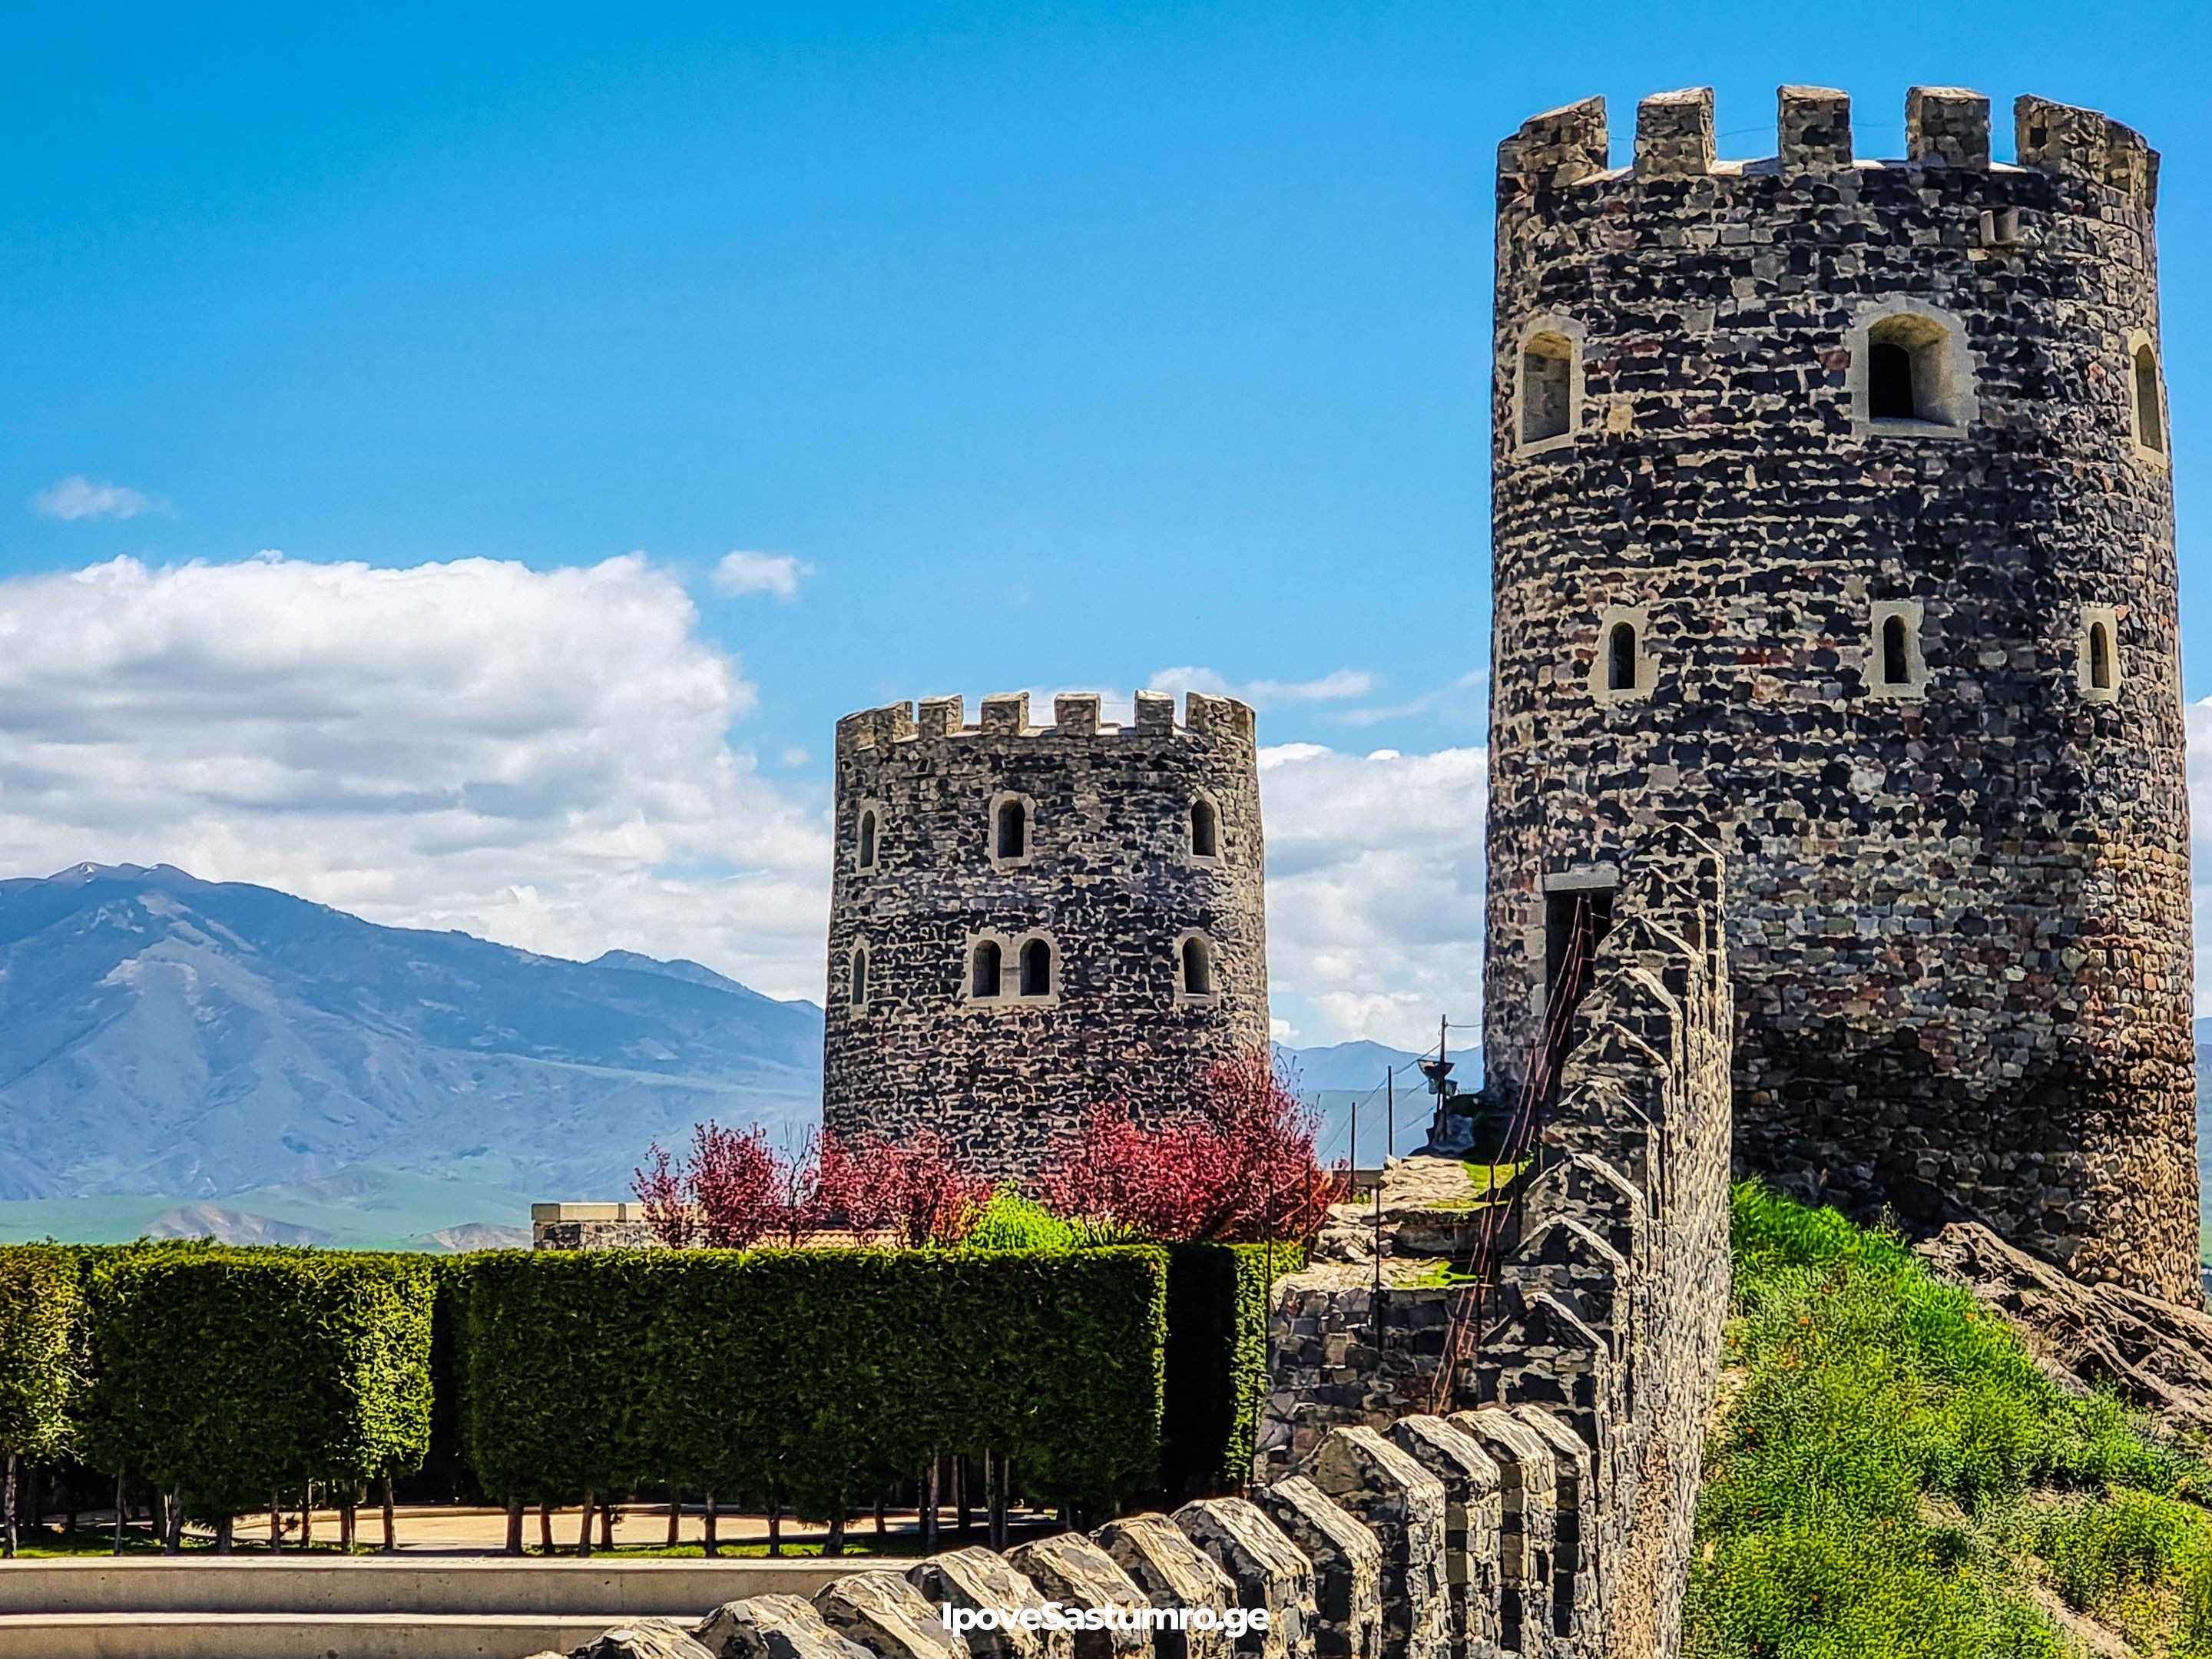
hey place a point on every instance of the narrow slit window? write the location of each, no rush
(867, 840)
(1202, 827)
(1547, 369)
(2150, 423)
(857, 989)
(1037, 969)
(1013, 830)
(984, 980)
(1621, 657)
(2100, 653)
(1896, 652)
(1197, 969)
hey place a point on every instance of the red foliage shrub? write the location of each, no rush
(724, 1195)
(918, 1193)
(1237, 1166)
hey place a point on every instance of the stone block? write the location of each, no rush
(1269, 1571)
(1812, 128)
(772, 1627)
(1528, 1520)
(1471, 1515)
(1675, 134)
(979, 1578)
(1072, 1569)
(1347, 1563)
(883, 1614)
(1575, 1566)
(1403, 1504)
(1948, 126)
(643, 1638)
(1173, 1572)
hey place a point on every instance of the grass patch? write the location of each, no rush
(1894, 1479)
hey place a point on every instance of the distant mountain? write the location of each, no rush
(165, 1036)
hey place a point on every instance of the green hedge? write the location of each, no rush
(41, 1336)
(228, 1374)
(1217, 1362)
(818, 1377)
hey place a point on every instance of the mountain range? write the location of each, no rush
(181, 1057)
(162, 1035)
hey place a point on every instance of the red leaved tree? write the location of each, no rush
(800, 1204)
(724, 1195)
(917, 1192)
(1237, 1165)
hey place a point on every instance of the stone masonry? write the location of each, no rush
(1137, 872)
(1833, 517)
(1574, 1370)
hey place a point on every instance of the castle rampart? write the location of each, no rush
(1832, 510)
(1028, 919)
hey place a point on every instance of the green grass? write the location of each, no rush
(1893, 1478)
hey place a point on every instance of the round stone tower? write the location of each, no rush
(1833, 517)
(1026, 921)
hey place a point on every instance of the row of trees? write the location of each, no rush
(1236, 1165)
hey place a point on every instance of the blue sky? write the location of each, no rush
(1055, 346)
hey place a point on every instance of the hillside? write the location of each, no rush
(165, 1036)
(1893, 1476)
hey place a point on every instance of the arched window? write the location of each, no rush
(2098, 670)
(1203, 825)
(1547, 369)
(1013, 830)
(1037, 969)
(1621, 657)
(2150, 419)
(984, 982)
(1912, 366)
(1889, 382)
(857, 989)
(1197, 967)
(1896, 652)
(868, 839)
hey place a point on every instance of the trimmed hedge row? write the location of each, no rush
(229, 1374)
(814, 1379)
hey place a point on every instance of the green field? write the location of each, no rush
(360, 1208)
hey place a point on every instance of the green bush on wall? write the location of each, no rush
(815, 1377)
(229, 1374)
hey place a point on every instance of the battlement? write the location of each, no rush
(1073, 716)
(1944, 126)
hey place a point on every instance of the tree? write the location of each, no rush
(725, 1195)
(1237, 1165)
(41, 1310)
(798, 1205)
(917, 1192)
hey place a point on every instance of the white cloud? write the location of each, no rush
(1261, 694)
(541, 758)
(1375, 890)
(79, 498)
(779, 573)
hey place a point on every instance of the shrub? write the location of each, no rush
(227, 1374)
(1010, 1221)
(724, 1195)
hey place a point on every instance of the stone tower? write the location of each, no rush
(1833, 517)
(1026, 921)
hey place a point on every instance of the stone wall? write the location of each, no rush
(1958, 905)
(1583, 1354)
(1112, 878)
